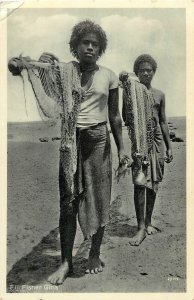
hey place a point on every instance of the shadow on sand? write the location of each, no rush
(43, 260)
(119, 221)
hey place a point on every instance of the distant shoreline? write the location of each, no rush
(35, 122)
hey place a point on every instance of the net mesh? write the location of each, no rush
(58, 95)
(138, 109)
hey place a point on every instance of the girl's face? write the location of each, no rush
(145, 73)
(88, 48)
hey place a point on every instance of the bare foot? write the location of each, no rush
(60, 275)
(95, 265)
(138, 238)
(152, 230)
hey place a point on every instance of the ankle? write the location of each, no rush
(141, 226)
(147, 223)
(67, 262)
(94, 254)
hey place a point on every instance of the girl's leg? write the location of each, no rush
(150, 202)
(67, 229)
(139, 201)
(95, 265)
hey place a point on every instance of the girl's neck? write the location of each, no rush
(148, 85)
(87, 68)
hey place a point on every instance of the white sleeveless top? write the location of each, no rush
(94, 106)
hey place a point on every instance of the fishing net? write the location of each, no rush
(138, 116)
(58, 94)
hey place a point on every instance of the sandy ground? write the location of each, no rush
(33, 250)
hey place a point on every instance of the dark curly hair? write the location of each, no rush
(144, 58)
(83, 28)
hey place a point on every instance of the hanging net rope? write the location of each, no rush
(58, 94)
(138, 116)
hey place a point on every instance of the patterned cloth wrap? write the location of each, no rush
(58, 93)
(138, 117)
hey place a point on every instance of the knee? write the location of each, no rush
(68, 210)
(139, 193)
(139, 188)
(151, 193)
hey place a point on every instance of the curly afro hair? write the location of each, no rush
(83, 28)
(144, 58)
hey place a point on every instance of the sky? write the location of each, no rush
(160, 32)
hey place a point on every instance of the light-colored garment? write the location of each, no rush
(94, 105)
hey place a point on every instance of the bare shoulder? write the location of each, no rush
(158, 94)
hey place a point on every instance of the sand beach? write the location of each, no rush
(33, 249)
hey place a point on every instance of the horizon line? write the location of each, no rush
(33, 121)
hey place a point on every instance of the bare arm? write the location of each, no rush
(17, 64)
(44, 88)
(115, 121)
(164, 129)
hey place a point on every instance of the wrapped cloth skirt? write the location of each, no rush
(93, 180)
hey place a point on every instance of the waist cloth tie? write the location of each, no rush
(93, 179)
